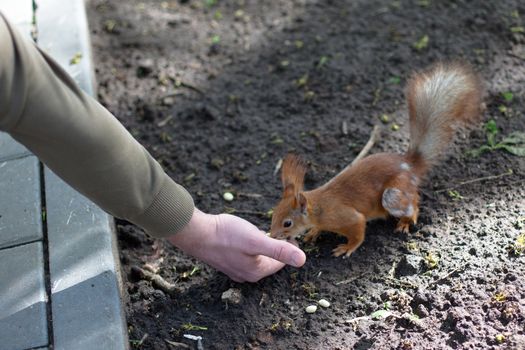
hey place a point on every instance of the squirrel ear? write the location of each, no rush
(289, 190)
(292, 174)
(302, 201)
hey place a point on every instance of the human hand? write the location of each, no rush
(235, 247)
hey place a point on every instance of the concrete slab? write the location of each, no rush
(23, 318)
(20, 208)
(10, 149)
(85, 295)
(63, 33)
(20, 13)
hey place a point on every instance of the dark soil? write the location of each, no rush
(219, 91)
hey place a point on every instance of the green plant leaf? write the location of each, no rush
(516, 150)
(379, 314)
(491, 129)
(514, 138)
(479, 151)
(422, 43)
(507, 96)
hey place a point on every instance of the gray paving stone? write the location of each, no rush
(23, 318)
(20, 13)
(10, 149)
(20, 207)
(86, 305)
(71, 38)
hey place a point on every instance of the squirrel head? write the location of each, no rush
(290, 216)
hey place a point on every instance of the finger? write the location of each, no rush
(279, 250)
(262, 266)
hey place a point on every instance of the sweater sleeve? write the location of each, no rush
(77, 138)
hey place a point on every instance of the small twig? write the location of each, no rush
(157, 281)
(448, 275)
(516, 56)
(394, 282)
(350, 280)
(165, 121)
(249, 195)
(479, 179)
(373, 137)
(357, 319)
(344, 127)
(141, 341)
(177, 344)
(278, 166)
(198, 339)
(191, 87)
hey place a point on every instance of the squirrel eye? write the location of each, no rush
(287, 223)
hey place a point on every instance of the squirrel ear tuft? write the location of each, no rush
(292, 174)
(302, 202)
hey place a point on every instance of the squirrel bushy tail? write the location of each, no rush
(439, 100)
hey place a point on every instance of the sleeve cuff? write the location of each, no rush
(170, 211)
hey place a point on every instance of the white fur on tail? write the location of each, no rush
(439, 99)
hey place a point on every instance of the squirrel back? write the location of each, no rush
(439, 100)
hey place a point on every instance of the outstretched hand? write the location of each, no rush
(235, 247)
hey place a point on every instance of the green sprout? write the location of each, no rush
(380, 314)
(455, 195)
(215, 39)
(302, 81)
(191, 327)
(514, 143)
(507, 96)
(322, 61)
(394, 80)
(422, 43)
(75, 59)
(385, 119)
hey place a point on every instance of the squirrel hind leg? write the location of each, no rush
(403, 205)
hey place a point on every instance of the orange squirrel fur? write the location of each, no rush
(439, 99)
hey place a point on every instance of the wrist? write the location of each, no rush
(200, 226)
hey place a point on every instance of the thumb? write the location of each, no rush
(281, 251)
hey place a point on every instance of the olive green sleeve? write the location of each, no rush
(77, 138)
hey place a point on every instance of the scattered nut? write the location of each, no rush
(324, 303)
(311, 309)
(228, 196)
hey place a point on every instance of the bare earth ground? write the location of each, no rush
(219, 91)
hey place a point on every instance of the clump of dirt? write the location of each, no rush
(219, 91)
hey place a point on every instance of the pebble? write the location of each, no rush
(228, 196)
(324, 303)
(311, 309)
(232, 296)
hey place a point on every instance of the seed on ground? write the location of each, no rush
(311, 309)
(324, 303)
(228, 196)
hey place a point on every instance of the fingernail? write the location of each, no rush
(297, 260)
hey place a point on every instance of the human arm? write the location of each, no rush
(77, 138)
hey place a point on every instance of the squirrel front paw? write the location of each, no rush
(344, 249)
(312, 235)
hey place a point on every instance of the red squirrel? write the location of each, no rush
(384, 184)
